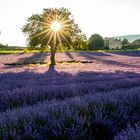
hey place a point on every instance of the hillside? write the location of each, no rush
(131, 38)
(136, 43)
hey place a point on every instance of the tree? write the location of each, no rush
(95, 42)
(80, 42)
(125, 41)
(55, 27)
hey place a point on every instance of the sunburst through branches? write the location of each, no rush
(55, 29)
(56, 26)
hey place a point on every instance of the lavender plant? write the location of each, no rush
(72, 101)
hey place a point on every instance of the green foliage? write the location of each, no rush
(38, 36)
(125, 47)
(2, 46)
(95, 42)
(118, 39)
(79, 43)
(11, 50)
(125, 41)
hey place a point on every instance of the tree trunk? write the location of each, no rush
(52, 59)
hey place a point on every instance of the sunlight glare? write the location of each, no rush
(55, 29)
(56, 26)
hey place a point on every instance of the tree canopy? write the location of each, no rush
(125, 41)
(95, 42)
(39, 32)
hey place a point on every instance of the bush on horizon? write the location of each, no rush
(96, 42)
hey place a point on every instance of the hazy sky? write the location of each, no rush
(106, 17)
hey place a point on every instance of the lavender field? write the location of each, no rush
(86, 96)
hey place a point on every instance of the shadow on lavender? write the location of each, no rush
(132, 54)
(69, 54)
(34, 58)
(61, 106)
(83, 57)
(94, 56)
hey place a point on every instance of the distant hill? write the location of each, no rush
(136, 43)
(131, 38)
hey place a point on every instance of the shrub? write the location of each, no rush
(95, 42)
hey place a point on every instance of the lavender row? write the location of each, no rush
(131, 133)
(29, 95)
(68, 56)
(19, 80)
(72, 118)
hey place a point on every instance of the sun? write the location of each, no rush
(56, 26)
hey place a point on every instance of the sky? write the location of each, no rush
(105, 17)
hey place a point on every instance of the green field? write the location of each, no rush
(16, 49)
